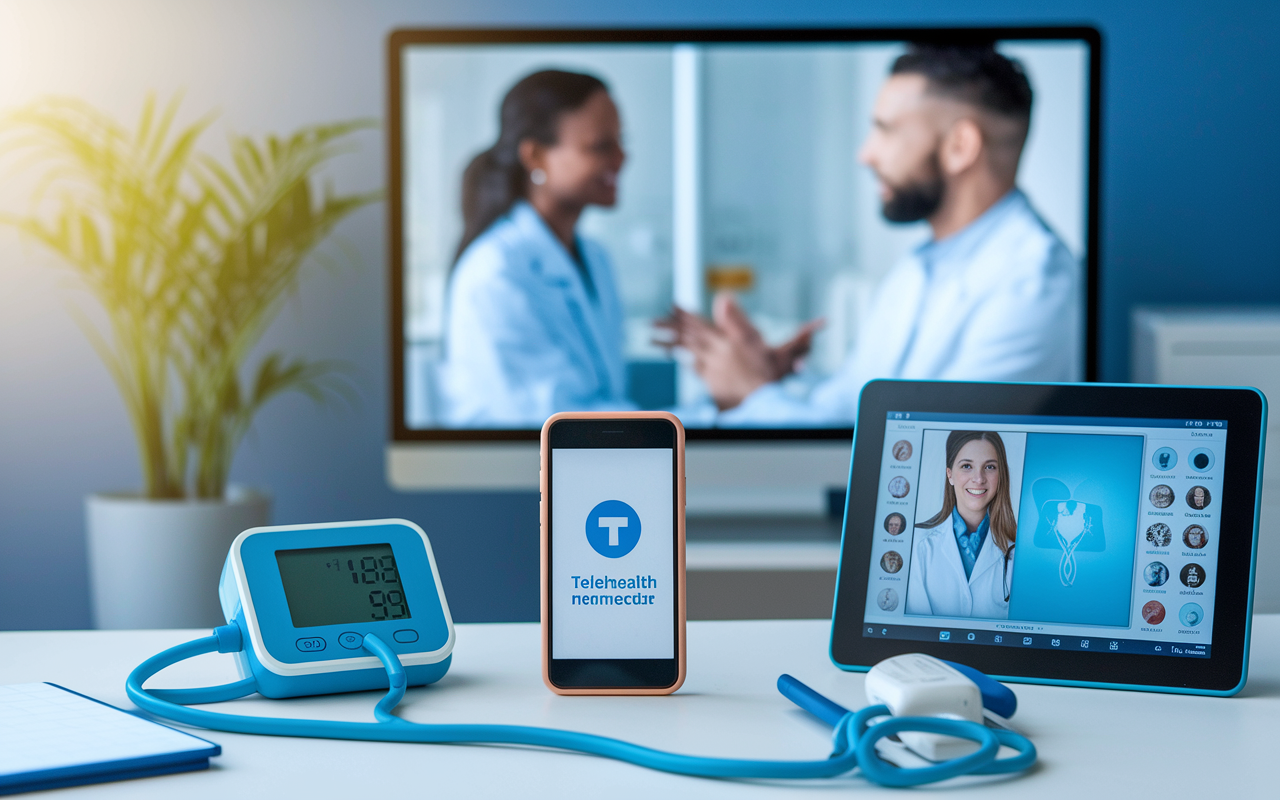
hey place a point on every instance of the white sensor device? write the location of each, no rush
(917, 685)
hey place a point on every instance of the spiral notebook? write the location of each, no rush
(52, 737)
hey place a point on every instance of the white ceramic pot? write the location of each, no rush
(156, 563)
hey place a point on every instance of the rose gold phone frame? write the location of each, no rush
(546, 544)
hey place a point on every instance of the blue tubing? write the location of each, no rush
(854, 737)
(824, 709)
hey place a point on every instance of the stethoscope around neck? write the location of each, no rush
(1005, 579)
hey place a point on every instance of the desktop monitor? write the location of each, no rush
(741, 175)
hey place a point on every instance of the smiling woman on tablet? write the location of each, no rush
(1066, 476)
(963, 555)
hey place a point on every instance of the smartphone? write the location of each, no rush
(613, 591)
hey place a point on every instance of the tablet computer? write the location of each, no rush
(1078, 534)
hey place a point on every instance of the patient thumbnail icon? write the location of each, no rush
(887, 600)
(1153, 612)
(891, 561)
(1155, 574)
(1192, 576)
(899, 487)
(1191, 615)
(1165, 459)
(1201, 459)
(1199, 498)
(1159, 535)
(1162, 496)
(1195, 537)
(895, 524)
(902, 450)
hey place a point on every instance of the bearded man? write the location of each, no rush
(993, 295)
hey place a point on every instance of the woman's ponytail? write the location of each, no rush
(495, 179)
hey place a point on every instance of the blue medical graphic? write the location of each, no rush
(1077, 529)
(1191, 615)
(1164, 459)
(1066, 524)
(613, 529)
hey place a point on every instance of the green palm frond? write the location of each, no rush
(190, 258)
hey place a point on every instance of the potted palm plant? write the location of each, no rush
(190, 260)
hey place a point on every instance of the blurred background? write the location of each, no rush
(1187, 165)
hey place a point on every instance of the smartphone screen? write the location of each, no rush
(613, 611)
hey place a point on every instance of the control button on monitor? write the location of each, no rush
(1201, 459)
(1164, 459)
(405, 637)
(351, 641)
(311, 644)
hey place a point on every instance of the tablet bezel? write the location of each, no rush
(1223, 673)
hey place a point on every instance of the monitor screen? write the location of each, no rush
(741, 227)
(1116, 522)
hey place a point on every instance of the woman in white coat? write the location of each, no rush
(534, 323)
(962, 557)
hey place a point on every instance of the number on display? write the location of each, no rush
(387, 605)
(373, 570)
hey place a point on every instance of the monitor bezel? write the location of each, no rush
(1222, 673)
(400, 39)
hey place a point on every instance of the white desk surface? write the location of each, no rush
(1092, 743)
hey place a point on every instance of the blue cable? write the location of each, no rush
(854, 736)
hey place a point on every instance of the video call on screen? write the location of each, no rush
(757, 143)
(1111, 528)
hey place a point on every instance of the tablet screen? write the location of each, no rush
(1070, 533)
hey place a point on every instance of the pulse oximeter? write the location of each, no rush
(305, 596)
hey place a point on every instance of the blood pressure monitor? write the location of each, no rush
(305, 596)
(319, 609)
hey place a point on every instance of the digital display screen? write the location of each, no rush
(1083, 534)
(342, 585)
(612, 565)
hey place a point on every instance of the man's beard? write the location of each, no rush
(919, 199)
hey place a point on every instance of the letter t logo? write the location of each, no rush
(613, 523)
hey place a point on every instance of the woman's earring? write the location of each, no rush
(537, 177)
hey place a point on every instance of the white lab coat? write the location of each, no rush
(997, 301)
(936, 584)
(523, 337)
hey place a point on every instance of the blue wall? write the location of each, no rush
(1190, 168)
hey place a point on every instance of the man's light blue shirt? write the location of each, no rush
(997, 301)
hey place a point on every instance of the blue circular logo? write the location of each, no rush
(613, 529)
(1164, 459)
